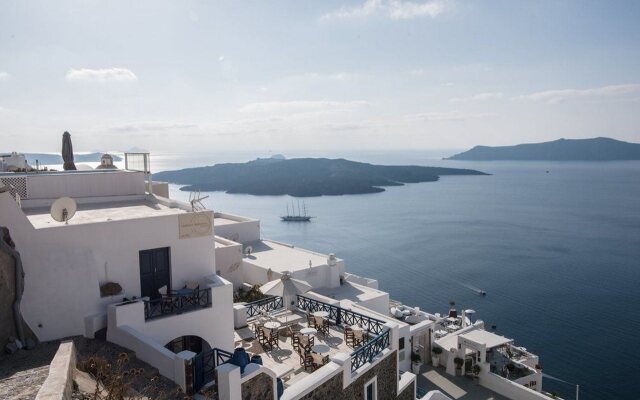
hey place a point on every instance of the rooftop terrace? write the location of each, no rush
(285, 360)
(102, 212)
(281, 257)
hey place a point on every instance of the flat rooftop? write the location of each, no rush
(103, 212)
(280, 257)
(350, 291)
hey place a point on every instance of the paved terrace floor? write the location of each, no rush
(456, 387)
(286, 358)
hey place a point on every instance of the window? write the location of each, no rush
(371, 389)
(401, 343)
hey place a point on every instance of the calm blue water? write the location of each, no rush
(558, 254)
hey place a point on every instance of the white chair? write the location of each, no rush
(163, 290)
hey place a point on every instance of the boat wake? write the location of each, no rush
(473, 288)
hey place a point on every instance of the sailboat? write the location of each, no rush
(299, 217)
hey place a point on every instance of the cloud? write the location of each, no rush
(558, 96)
(477, 97)
(393, 9)
(151, 126)
(448, 116)
(4, 75)
(302, 106)
(101, 75)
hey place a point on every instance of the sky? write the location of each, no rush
(278, 76)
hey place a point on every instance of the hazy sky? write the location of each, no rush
(321, 75)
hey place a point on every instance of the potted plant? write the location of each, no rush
(415, 362)
(436, 356)
(459, 362)
(476, 371)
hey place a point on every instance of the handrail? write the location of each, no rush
(371, 349)
(255, 308)
(204, 365)
(341, 315)
(174, 303)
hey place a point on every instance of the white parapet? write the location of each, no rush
(59, 382)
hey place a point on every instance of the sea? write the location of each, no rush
(555, 246)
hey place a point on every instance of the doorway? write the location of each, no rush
(155, 271)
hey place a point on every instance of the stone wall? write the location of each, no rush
(408, 393)
(260, 387)
(387, 373)
(331, 389)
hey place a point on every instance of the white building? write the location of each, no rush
(13, 161)
(177, 268)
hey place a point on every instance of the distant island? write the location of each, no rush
(303, 177)
(596, 149)
(46, 159)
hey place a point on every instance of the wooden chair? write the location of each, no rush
(319, 360)
(322, 325)
(270, 338)
(306, 360)
(349, 338)
(358, 338)
(166, 301)
(256, 328)
(295, 341)
(311, 321)
(306, 342)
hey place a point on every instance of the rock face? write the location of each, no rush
(597, 149)
(303, 177)
(7, 296)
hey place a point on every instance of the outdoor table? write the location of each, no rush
(357, 328)
(320, 348)
(321, 314)
(272, 325)
(308, 331)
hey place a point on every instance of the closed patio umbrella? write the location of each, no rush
(67, 152)
(286, 287)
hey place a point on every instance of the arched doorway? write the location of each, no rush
(191, 343)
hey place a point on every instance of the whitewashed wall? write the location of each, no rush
(64, 265)
(244, 230)
(85, 184)
(214, 324)
(229, 261)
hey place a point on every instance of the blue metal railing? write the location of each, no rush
(372, 348)
(204, 366)
(174, 303)
(267, 305)
(341, 315)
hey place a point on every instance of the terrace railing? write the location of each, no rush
(267, 305)
(370, 349)
(204, 366)
(175, 303)
(341, 315)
